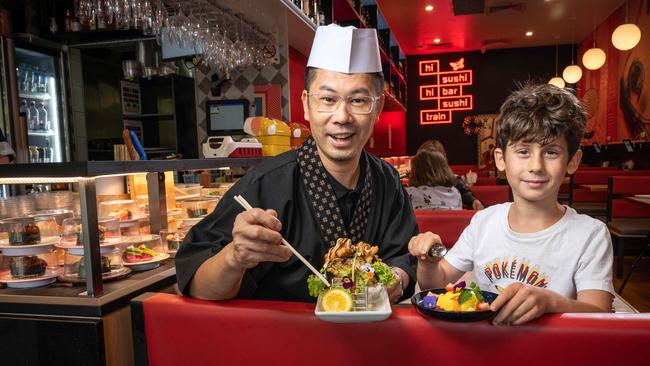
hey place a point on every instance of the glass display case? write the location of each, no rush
(113, 220)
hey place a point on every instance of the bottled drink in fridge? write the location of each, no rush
(25, 85)
(43, 122)
(23, 107)
(47, 153)
(33, 84)
(32, 121)
(42, 82)
(33, 154)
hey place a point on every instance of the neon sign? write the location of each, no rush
(445, 93)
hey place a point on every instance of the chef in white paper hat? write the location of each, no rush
(328, 189)
(344, 63)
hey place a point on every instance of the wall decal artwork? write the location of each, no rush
(634, 96)
(617, 96)
(486, 141)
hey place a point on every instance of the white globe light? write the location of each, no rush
(594, 58)
(572, 74)
(626, 36)
(557, 81)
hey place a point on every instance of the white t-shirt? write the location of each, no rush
(435, 198)
(572, 255)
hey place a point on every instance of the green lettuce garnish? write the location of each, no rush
(384, 274)
(315, 285)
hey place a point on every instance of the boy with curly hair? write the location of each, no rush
(547, 257)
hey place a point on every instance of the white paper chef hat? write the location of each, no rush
(345, 49)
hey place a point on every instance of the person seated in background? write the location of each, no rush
(432, 183)
(549, 258)
(469, 201)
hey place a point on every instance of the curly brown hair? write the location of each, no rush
(541, 113)
(430, 168)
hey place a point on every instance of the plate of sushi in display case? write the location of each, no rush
(112, 266)
(24, 236)
(30, 271)
(144, 253)
(125, 211)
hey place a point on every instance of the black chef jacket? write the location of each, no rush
(277, 184)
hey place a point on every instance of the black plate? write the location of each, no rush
(416, 300)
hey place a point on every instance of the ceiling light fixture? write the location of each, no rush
(436, 40)
(556, 80)
(572, 73)
(626, 36)
(594, 58)
(428, 8)
(529, 33)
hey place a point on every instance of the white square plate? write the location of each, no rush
(381, 312)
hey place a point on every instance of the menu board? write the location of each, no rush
(442, 92)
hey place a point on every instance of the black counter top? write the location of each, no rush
(61, 299)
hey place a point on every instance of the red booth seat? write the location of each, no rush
(448, 224)
(622, 208)
(491, 195)
(486, 181)
(600, 177)
(174, 330)
(597, 168)
(631, 185)
(594, 203)
(587, 195)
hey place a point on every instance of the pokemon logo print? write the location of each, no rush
(520, 270)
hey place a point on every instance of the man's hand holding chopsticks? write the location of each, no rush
(256, 238)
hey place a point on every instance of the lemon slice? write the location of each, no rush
(336, 300)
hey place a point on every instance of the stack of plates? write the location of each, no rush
(53, 200)
(16, 206)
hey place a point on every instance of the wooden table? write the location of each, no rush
(644, 200)
(595, 187)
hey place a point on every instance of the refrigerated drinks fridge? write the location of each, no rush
(33, 112)
(40, 103)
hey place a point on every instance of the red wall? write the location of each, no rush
(393, 121)
(601, 90)
(297, 65)
(385, 143)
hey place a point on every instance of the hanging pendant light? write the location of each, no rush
(594, 58)
(572, 73)
(626, 36)
(556, 80)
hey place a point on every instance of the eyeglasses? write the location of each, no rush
(329, 103)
